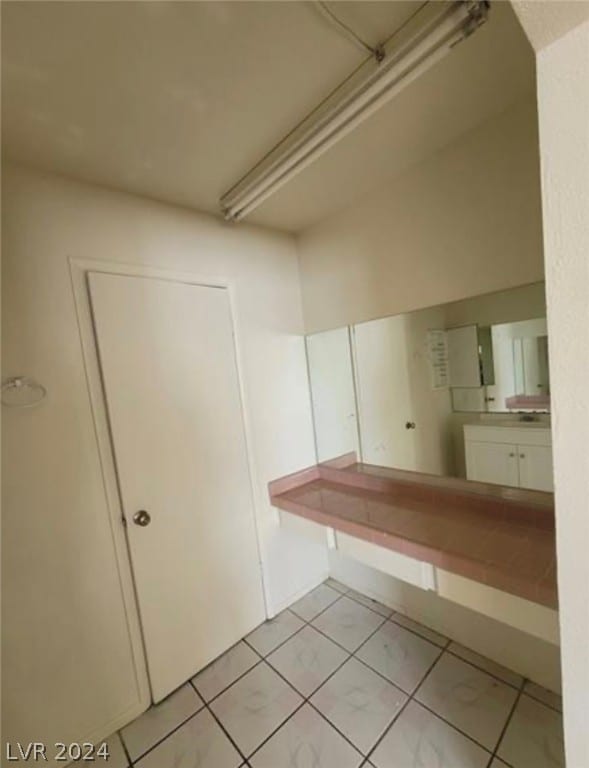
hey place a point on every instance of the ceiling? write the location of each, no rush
(177, 100)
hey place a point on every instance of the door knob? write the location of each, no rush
(142, 518)
(409, 425)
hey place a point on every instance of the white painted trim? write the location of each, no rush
(79, 268)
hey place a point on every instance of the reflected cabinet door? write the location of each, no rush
(535, 467)
(492, 463)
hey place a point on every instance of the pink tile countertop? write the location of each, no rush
(499, 536)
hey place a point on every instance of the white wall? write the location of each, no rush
(464, 222)
(563, 99)
(522, 303)
(67, 655)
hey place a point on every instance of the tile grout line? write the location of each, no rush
(486, 671)
(445, 647)
(349, 655)
(507, 722)
(227, 687)
(306, 623)
(352, 654)
(262, 658)
(327, 607)
(405, 705)
(441, 649)
(411, 697)
(172, 731)
(519, 691)
(222, 727)
(390, 618)
(306, 699)
(125, 750)
(540, 701)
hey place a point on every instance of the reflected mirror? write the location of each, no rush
(461, 389)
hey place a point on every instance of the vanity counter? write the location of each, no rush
(498, 536)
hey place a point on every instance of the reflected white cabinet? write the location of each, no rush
(492, 462)
(535, 467)
(515, 456)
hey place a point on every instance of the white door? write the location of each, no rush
(535, 467)
(492, 463)
(332, 392)
(463, 356)
(385, 409)
(168, 364)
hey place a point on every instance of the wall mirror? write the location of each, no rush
(461, 389)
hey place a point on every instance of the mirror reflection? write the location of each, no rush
(461, 389)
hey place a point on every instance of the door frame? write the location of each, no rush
(79, 269)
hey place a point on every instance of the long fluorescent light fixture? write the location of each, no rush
(369, 88)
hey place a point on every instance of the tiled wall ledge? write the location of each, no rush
(497, 536)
